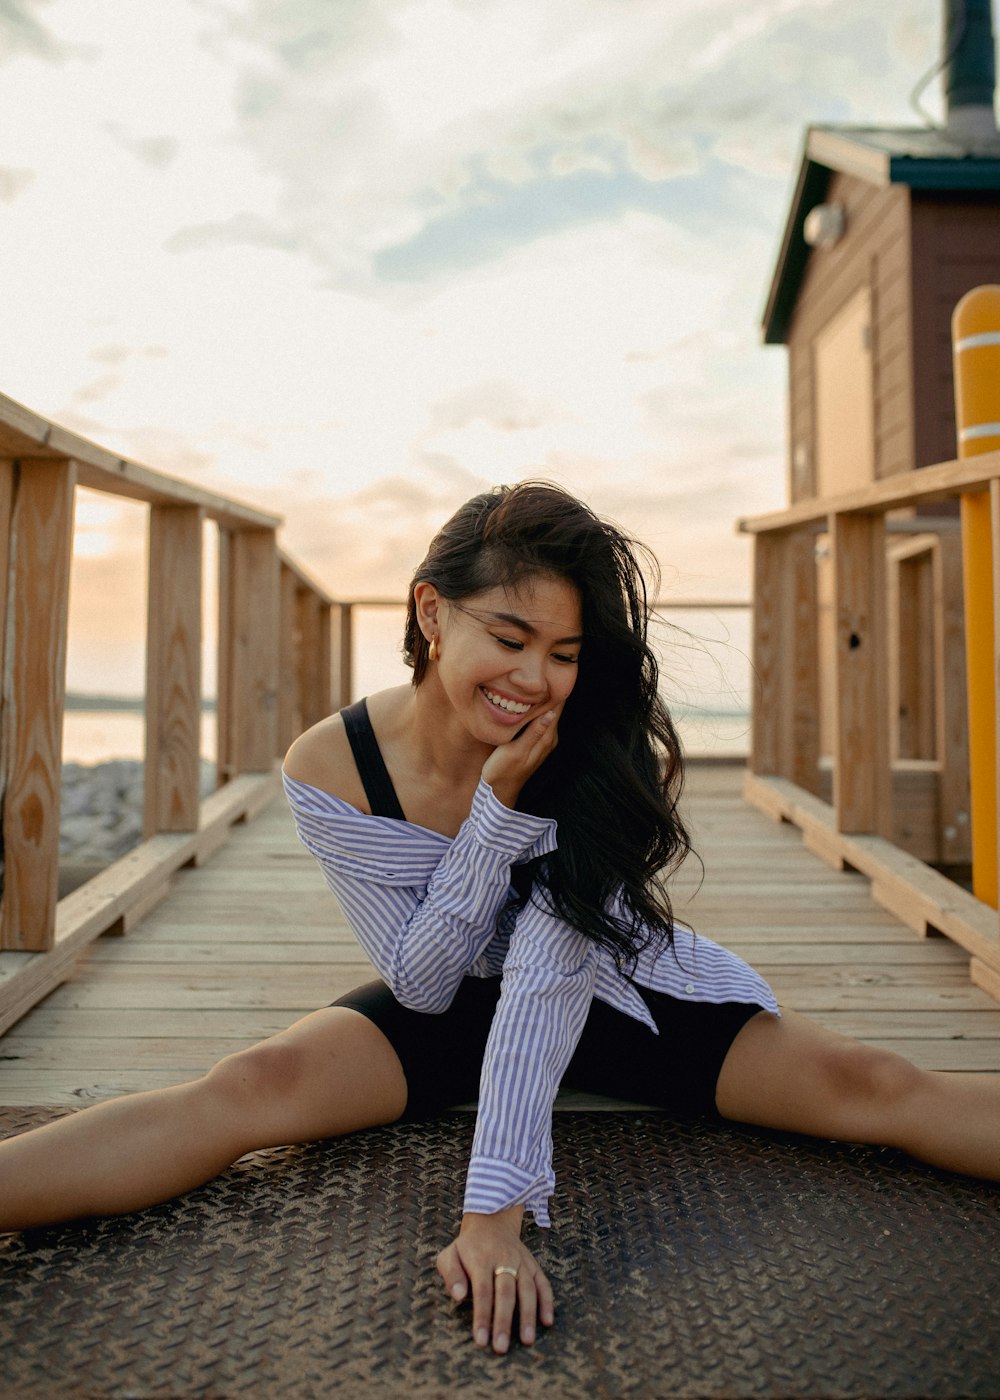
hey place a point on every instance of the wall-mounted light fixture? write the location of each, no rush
(824, 225)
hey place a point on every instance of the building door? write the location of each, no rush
(844, 447)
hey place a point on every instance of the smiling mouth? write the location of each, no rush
(509, 707)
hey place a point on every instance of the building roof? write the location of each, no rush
(925, 158)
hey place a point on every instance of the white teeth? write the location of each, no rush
(511, 706)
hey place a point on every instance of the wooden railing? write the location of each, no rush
(274, 679)
(886, 685)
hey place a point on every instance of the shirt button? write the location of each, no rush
(689, 988)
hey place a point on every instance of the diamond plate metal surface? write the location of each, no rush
(688, 1260)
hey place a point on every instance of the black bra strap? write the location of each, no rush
(374, 775)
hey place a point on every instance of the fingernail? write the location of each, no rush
(457, 1292)
(501, 1342)
(482, 1336)
(548, 718)
(528, 1336)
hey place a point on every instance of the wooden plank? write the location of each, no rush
(173, 670)
(915, 812)
(29, 437)
(225, 737)
(249, 652)
(765, 744)
(299, 991)
(34, 682)
(290, 646)
(951, 704)
(838, 989)
(327, 930)
(146, 954)
(184, 1058)
(181, 1056)
(981, 1056)
(785, 704)
(861, 741)
(244, 1025)
(916, 894)
(311, 655)
(343, 656)
(986, 977)
(905, 488)
(324, 662)
(912, 669)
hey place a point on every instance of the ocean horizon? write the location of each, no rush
(102, 733)
(703, 657)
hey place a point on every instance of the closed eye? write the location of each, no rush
(510, 644)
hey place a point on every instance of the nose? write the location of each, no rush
(529, 674)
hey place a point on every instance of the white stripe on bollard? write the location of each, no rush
(973, 342)
(979, 430)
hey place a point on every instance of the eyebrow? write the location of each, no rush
(514, 621)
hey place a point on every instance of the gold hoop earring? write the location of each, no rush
(432, 650)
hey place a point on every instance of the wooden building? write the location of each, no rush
(903, 223)
(860, 633)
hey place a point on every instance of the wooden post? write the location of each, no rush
(324, 679)
(765, 747)
(224, 736)
(248, 652)
(912, 645)
(343, 667)
(34, 688)
(785, 719)
(173, 670)
(310, 658)
(861, 771)
(951, 705)
(289, 648)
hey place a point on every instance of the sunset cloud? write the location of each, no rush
(354, 262)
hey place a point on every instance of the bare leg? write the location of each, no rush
(795, 1075)
(331, 1073)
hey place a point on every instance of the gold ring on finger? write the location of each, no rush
(505, 1269)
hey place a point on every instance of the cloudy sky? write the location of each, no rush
(353, 260)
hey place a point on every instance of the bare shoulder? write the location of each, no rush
(322, 757)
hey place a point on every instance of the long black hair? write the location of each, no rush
(615, 777)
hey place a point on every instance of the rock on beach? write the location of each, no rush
(101, 815)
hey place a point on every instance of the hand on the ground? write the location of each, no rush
(510, 765)
(483, 1243)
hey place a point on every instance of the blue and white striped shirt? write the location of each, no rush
(429, 910)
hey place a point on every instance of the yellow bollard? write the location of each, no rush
(975, 329)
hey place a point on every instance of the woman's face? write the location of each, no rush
(508, 655)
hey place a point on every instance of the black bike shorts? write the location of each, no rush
(618, 1056)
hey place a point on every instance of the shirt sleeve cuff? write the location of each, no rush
(492, 1186)
(516, 834)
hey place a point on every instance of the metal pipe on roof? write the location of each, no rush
(969, 72)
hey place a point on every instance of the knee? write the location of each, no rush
(262, 1074)
(867, 1078)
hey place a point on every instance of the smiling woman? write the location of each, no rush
(497, 833)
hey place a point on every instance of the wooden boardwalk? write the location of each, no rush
(253, 939)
